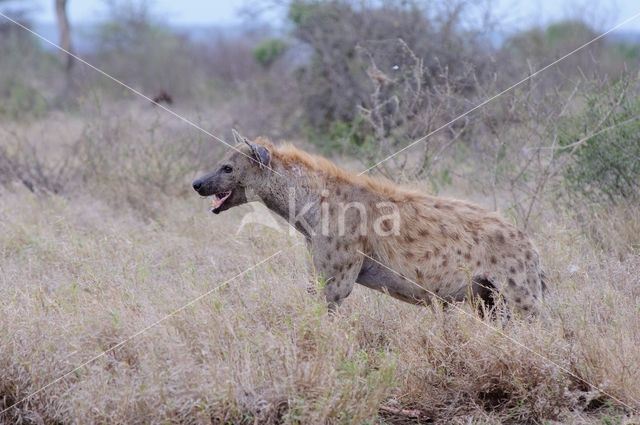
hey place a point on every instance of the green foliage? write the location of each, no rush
(627, 51)
(300, 11)
(21, 98)
(560, 32)
(267, 52)
(353, 136)
(605, 167)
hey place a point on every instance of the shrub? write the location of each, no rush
(335, 82)
(267, 52)
(605, 141)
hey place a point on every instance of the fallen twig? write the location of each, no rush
(412, 413)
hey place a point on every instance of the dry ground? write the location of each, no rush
(128, 243)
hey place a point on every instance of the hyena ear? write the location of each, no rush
(260, 153)
(237, 137)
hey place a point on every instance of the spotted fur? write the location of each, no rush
(442, 247)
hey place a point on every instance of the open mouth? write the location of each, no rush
(218, 200)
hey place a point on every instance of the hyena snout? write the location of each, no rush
(225, 192)
(203, 185)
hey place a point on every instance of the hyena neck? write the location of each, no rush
(294, 197)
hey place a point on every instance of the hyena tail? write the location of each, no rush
(543, 281)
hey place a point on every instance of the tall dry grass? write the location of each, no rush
(78, 275)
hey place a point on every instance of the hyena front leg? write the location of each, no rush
(340, 285)
(338, 269)
(312, 284)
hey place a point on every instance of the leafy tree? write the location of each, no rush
(606, 160)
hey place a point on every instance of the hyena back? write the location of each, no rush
(363, 230)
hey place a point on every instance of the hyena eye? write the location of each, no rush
(227, 169)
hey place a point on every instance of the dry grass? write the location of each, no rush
(77, 276)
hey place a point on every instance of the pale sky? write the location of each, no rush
(514, 14)
(182, 11)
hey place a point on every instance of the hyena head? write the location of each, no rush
(237, 174)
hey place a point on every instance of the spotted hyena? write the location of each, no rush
(359, 229)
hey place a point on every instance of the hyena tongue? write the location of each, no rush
(217, 202)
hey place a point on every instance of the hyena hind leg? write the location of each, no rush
(486, 291)
(523, 296)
